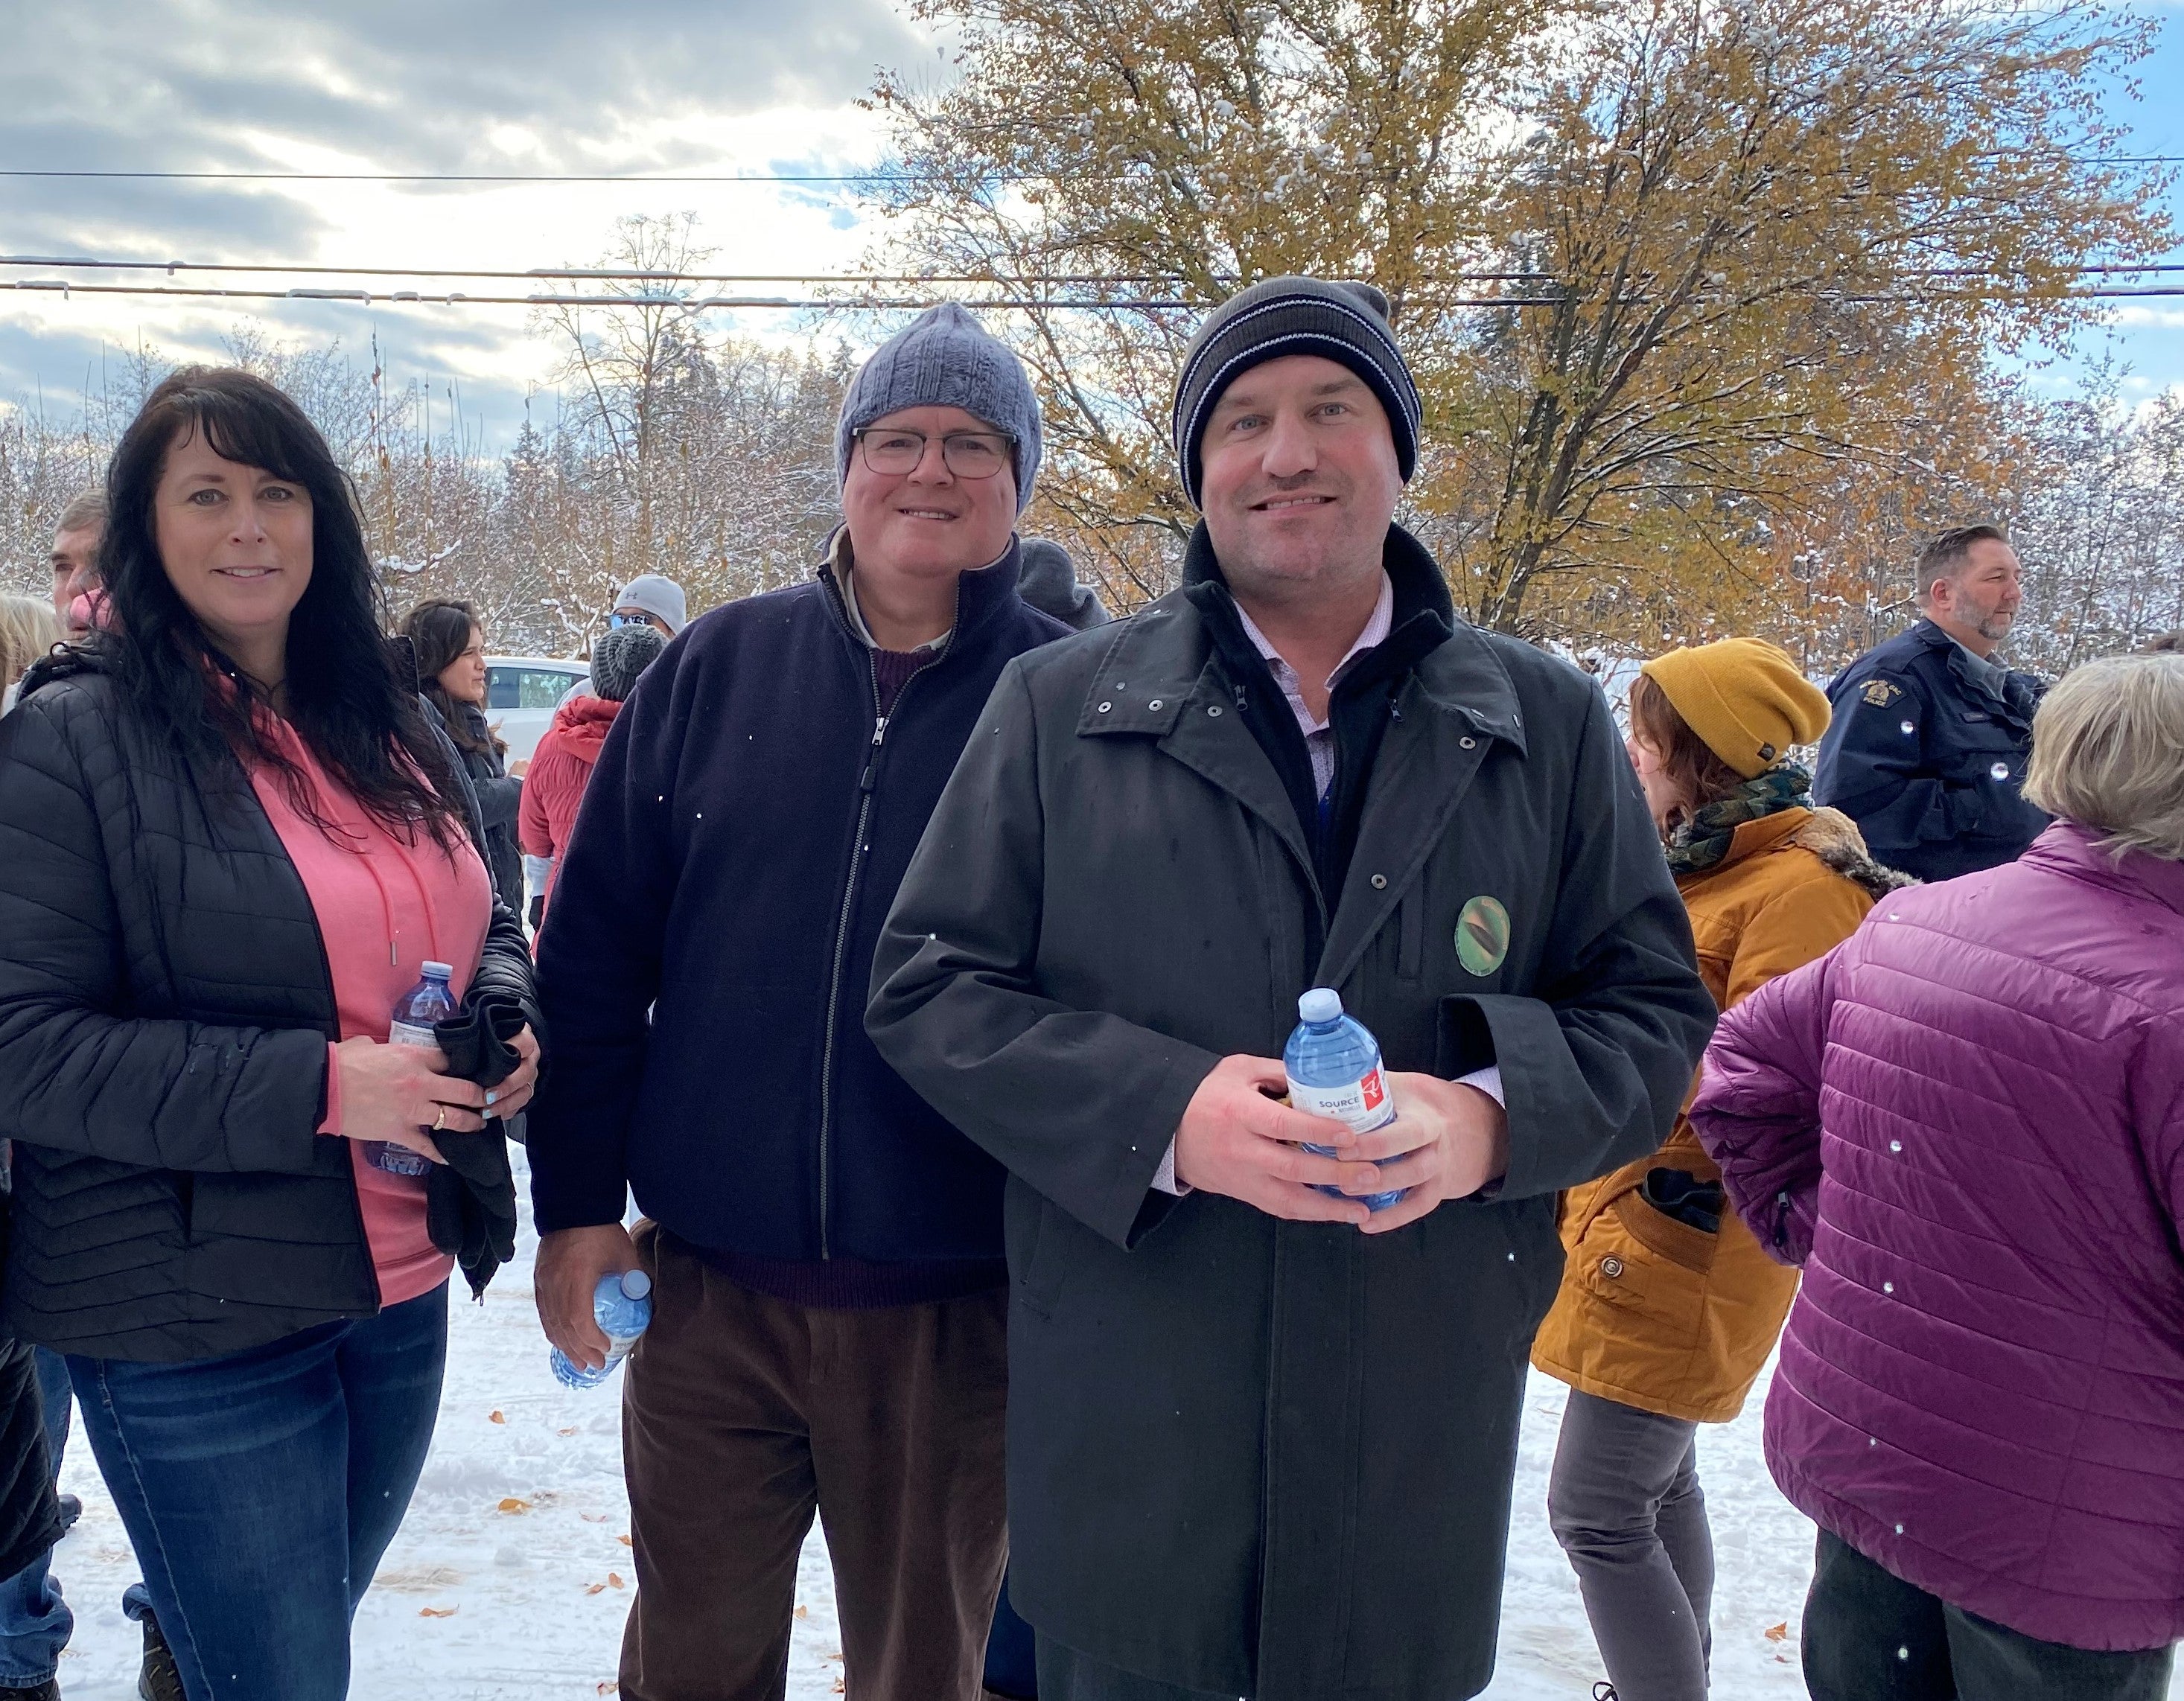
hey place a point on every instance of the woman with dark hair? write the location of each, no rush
(450, 648)
(1669, 1306)
(230, 839)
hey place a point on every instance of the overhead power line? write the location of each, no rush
(1043, 280)
(877, 175)
(709, 303)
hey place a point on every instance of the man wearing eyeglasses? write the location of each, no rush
(829, 1315)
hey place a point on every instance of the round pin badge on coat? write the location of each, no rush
(1482, 935)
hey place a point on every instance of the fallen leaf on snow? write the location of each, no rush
(437, 1612)
(624, 1540)
(804, 1612)
(495, 1417)
(592, 1517)
(512, 1504)
(614, 1581)
(610, 1688)
(1778, 1632)
(840, 1687)
(564, 1432)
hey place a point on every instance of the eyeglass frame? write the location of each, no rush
(924, 438)
(643, 617)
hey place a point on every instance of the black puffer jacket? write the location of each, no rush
(499, 795)
(165, 1008)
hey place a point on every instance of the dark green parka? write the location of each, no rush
(1248, 1456)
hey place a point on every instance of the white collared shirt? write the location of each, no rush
(1318, 734)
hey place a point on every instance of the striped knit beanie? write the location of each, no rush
(1345, 322)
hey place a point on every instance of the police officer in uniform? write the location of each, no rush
(1927, 749)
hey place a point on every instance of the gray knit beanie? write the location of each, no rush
(1345, 322)
(620, 657)
(945, 358)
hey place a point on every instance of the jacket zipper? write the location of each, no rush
(865, 784)
(842, 950)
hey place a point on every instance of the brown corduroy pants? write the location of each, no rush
(743, 1414)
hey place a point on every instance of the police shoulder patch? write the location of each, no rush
(1881, 693)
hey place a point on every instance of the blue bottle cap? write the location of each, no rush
(635, 1284)
(1320, 1005)
(440, 972)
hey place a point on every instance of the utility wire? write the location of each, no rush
(608, 274)
(879, 174)
(709, 303)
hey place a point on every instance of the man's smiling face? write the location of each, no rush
(1300, 477)
(928, 522)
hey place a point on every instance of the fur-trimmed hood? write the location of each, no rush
(1833, 837)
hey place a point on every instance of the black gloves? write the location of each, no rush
(470, 1200)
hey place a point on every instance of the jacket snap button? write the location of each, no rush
(1468, 743)
(1213, 710)
(1379, 882)
(2000, 770)
(1611, 1267)
(1105, 707)
(1155, 704)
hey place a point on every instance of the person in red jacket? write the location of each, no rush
(561, 766)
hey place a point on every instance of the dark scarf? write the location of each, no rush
(1701, 839)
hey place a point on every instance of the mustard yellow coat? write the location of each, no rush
(1653, 1312)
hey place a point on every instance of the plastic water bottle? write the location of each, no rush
(623, 1304)
(426, 1003)
(1334, 1065)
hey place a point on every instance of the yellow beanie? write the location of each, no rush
(1744, 697)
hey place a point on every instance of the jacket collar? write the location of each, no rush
(1753, 838)
(981, 593)
(1160, 654)
(2075, 850)
(1993, 680)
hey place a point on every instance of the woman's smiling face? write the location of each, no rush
(235, 542)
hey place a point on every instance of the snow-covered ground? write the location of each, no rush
(511, 1576)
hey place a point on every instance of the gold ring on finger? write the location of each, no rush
(440, 1122)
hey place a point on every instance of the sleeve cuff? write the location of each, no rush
(330, 1123)
(1164, 1180)
(1488, 1080)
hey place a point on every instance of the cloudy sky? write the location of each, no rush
(479, 87)
(465, 86)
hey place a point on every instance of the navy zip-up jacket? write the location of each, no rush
(704, 965)
(1928, 756)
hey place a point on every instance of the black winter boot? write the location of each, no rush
(160, 1680)
(50, 1690)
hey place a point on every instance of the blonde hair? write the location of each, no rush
(27, 630)
(2107, 753)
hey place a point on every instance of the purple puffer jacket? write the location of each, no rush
(1967, 1123)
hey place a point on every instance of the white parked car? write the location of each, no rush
(521, 693)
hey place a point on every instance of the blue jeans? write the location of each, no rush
(35, 1621)
(261, 1488)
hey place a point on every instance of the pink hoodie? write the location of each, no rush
(384, 907)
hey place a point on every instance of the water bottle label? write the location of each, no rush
(396, 1161)
(1363, 1104)
(408, 1033)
